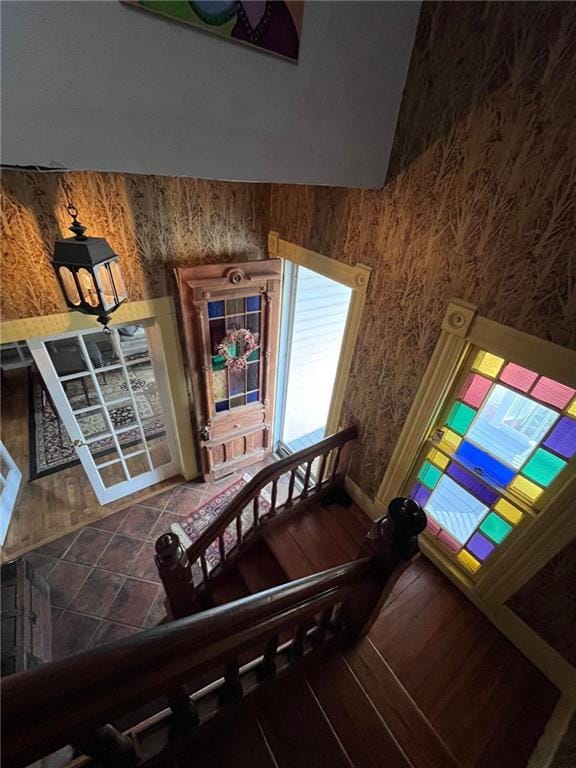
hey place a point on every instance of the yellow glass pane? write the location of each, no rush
(450, 441)
(438, 458)
(508, 511)
(525, 488)
(571, 410)
(488, 364)
(469, 562)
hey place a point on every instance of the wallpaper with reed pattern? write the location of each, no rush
(479, 204)
(152, 223)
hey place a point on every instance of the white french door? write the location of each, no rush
(108, 392)
(10, 478)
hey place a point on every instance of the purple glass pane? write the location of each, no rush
(252, 397)
(562, 440)
(420, 494)
(237, 381)
(217, 333)
(465, 478)
(480, 546)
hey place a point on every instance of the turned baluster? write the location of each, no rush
(273, 497)
(322, 469)
(291, 482)
(323, 625)
(336, 463)
(268, 664)
(297, 646)
(392, 542)
(183, 709)
(109, 747)
(204, 566)
(176, 575)
(304, 493)
(221, 548)
(232, 688)
(256, 511)
(239, 529)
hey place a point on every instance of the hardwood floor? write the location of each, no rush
(51, 506)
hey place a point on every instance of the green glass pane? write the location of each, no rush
(218, 363)
(460, 418)
(496, 528)
(254, 355)
(543, 467)
(429, 475)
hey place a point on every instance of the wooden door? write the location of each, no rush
(234, 407)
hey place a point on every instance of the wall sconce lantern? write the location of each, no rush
(88, 272)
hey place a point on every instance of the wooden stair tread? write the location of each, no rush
(288, 553)
(295, 726)
(362, 732)
(260, 569)
(411, 729)
(229, 587)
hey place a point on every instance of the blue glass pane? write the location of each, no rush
(474, 485)
(252, 303)
(420, 494)
(457, 511)
(215, 309)
(222, 406)
(252, 397)
(491, 470)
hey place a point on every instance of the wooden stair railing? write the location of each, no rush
(244, 644)
(187, 573)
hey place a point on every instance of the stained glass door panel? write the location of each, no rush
(508, 435)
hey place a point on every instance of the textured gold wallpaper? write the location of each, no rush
(480, 203)
(152, 222)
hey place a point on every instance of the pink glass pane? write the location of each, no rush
(562, 439)
(449, 542)
(432, 526)
(475, 390)
(552, 392)
(518, 377)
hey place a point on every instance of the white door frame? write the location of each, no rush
(9, 486)
(53, 383)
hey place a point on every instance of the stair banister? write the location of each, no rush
(175, 564)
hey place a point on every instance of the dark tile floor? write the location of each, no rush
(102, 578)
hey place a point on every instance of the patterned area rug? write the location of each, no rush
(51, 449)
(190, 528)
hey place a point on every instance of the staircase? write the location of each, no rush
(265, 662)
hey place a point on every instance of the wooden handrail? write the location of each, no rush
(175, 565)
(71, 701)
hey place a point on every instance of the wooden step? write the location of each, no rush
(295, 726)
(231, 586)
(259, 568)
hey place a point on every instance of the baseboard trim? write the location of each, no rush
(359, 497)
(549, 742)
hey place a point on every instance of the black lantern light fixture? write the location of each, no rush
(88, 271)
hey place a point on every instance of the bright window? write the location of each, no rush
(508, 434)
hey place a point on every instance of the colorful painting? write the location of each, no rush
(508, 435)
(273, 26)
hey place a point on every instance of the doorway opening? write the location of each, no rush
(315, 312)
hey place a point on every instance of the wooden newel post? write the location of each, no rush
(176, 574)
(392, 542)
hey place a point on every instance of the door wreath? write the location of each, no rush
(244, 342)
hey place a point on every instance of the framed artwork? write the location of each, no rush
(272, 25)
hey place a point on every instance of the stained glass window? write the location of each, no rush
(507, 436)
(232, 388)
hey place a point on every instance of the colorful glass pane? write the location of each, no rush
(420, 493)
(509, 425)
(552, 392)
(429, 475)
(254, 355)
(475, 390)
(218, 363)
(215, 309)
(217, 333)
(495, 528)
(460, 417)
(432, 526)
(252, 372)
(234, 306)
(450, 441)
(469, 562)
(526, 489)
(234, 323)
(543, 467)
(237, 381)
(487, 364)
(449, 541)
(457, 511)
(480, 546)
(509, 511)
(518, 377)
(562, 439)
(223, 406)
(236, 402)
(438, 458)
(220, 385)
(482, 463)
(571, 410)
(252, 397)
(477, 487)
(253, 323)
(252, 303)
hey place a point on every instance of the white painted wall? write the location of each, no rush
(97, 85)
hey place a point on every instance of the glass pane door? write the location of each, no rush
(106, 393)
